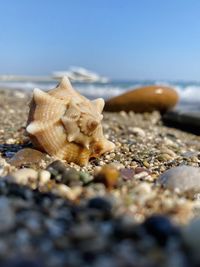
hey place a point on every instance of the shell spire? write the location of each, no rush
(67, 125)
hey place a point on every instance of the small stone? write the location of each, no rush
(4, 167)
(56, 167)
(164, 157)
(123, 114)
(161, 228)
(101, 204)
(144, 190)
(125, 227)
(9, 154)
(138, 170)
(181, 178)
(168, 151)
(71, 177)
(137, 131)
(23, 176)
(189, 154)
(26, 156)
(85, 177)
(168, 142)
(117, 165)
(146, 164)
(127, 174)
(108, 175)
(44, 177)
(22, 263)
(10, 141)
(191, 237)
(141, 173)
(7, 216)
(90, 249)
(64, 191)
(82, 231)
(141, 196)
(19, 94)
(60, 174)
(144, 99)
(19, 192)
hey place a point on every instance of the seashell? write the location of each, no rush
(67, 125)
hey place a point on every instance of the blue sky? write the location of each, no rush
(127, 39)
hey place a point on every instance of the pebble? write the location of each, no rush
(57, 165)
(26, 156)
(141, 195)
(61, 174)
(22, 263)
(7, 216)
(143, 188)
(82, 231)
(144, 99)
(101, 204)
(141, 169)
(168, 151)
(164, 157)
(56, 169)
(141, 175)
(191, 237)
(23, 176)
(117, 165)
(44, 177)
(4, 167)
(64, 191)
(190, 154)
(108, 175)
(181, 178)
(161, 228)
(10, 141)
(85, 177)
(137, 131)
(71, 177)
(127, 174)
(169, 142)
(19, 94)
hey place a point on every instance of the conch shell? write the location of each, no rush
(67, 125)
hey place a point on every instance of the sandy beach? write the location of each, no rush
(48, 220)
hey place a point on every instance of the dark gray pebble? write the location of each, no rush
(101, 204)
(160, 228)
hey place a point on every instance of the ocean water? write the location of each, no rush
(189, 92)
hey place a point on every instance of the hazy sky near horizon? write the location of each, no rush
(127, 39)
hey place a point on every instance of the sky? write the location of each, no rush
(121, 39)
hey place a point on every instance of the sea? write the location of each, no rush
(189, 91)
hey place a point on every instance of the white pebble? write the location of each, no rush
(19, 94)
(10, 141)
(181, 178)
(141, 175)
(138, 131)
(23, 176)
(64, 191)
(44, 177)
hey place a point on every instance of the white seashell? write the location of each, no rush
(67, 125)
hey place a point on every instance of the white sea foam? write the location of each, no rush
(189, 92)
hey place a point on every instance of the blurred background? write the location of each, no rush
(105, 47)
